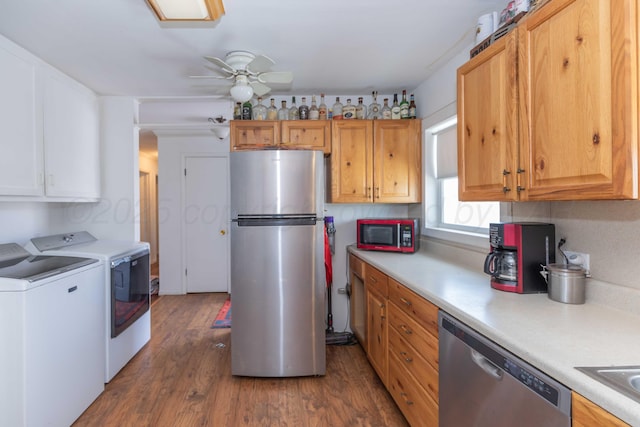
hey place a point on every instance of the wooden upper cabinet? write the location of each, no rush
(254, 134)
(294, 134)
(578, 100)
(568, 129)
(313, 134)
(488, 123)
(375, 161)
(351, 162)
(397, 163)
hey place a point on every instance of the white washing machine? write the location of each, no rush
(126, 279)
(51, 344)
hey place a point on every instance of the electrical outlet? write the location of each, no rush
(579, 258)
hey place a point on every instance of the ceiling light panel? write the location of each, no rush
(187, 10)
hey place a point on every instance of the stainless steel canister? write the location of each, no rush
(566, 282)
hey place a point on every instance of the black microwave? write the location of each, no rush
(392, 235)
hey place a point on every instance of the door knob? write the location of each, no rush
(222, 232)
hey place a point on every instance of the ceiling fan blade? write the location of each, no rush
(260, 64)
(211, 77)
(260, 89)
(276, 77)
(220, 63)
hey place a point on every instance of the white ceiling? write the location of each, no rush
(118, 47)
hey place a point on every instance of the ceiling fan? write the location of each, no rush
(250, 74)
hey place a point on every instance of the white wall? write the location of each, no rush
(173, 147)
(22, 221)
(116, 216)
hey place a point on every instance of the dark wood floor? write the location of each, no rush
(182, 377)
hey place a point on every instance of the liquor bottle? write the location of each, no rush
(272, 111)
(237, 111)
(404, 106)
(337, 110)
(246, 110)
(314, 114)
(303, 110)
(259, 110)
(386, 110)
(374, 108)
(412, 108)
(283, 112)
(395, 108)
(348, 111)
(361, 110)
(293, 111)
(322, 109)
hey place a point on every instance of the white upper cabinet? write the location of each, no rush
(49, 132)
(21, 160)
(71, 148)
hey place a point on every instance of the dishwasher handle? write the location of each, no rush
(486, 365)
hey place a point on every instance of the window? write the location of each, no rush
(446, 216)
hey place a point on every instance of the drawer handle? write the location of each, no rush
(406, 330)
(408, 402)
(72, 289)
(404, 356)
(404, 301)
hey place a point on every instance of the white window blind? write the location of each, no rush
(446, 140)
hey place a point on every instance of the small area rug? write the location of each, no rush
(223, 319)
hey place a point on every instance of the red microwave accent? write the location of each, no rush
(389, 234)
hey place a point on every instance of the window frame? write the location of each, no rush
(470, 237)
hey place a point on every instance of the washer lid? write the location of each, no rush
(17, 263)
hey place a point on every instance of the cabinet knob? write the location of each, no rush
(404, 301)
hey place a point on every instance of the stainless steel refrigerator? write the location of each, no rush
(277, 263)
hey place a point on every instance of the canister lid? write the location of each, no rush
(568, 269)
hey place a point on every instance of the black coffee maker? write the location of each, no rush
(518, 249)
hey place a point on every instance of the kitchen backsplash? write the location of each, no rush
(609, 231)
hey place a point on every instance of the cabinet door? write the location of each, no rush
(377, 333)
(254, 134)
(311, 134)
(397, 161)
(487, 124)
(585, 413)
(578, 92)
(351, 161)
(71, 139)
(20, 124)
(357, 300)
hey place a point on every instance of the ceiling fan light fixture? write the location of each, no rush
(187, 10)
(241, 91)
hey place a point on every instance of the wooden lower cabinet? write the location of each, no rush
(376, 326)
(585, 413)
(402, 344)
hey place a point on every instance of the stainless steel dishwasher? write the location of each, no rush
(481, 384)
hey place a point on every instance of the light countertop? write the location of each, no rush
(551, 336)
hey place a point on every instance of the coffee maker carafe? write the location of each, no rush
(517, 252)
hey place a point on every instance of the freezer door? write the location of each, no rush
(277, 294)
(277, 182)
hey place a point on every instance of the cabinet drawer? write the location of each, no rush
(414, 402)
(421, 370)
(376, 280)
(357, 266)
(415, 306)
(415, 335)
